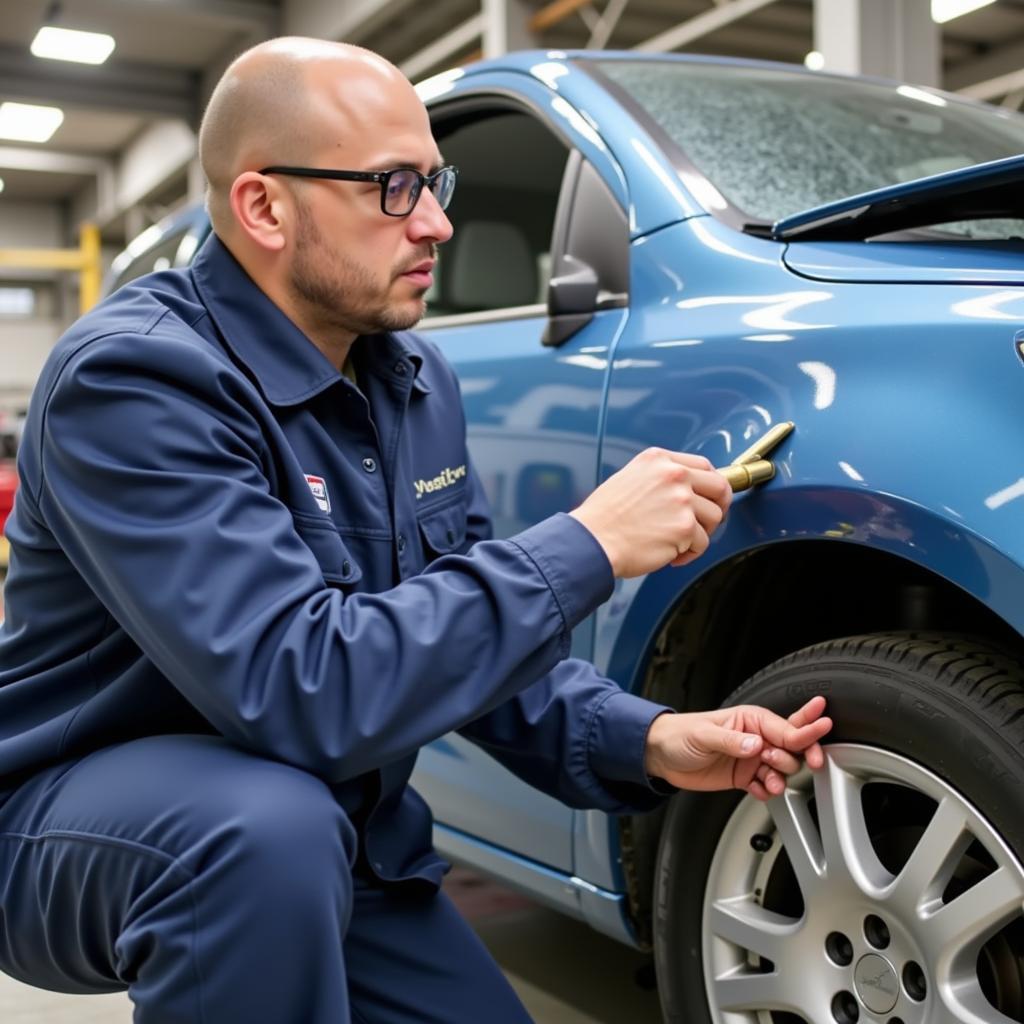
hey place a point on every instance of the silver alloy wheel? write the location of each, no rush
(910, 957)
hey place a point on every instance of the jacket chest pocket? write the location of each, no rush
(443, 529)
(336, 562)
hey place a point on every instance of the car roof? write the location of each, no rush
(524, 60)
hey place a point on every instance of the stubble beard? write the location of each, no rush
(327, 283)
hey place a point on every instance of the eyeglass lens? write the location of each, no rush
(403, 189)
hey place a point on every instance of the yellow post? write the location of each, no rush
(42, 259)
(85, 259)
(89, 275)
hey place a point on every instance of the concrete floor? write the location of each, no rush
(564, 972)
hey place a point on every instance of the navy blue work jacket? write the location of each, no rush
(216, 531)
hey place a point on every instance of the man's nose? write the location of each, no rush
(428, 220)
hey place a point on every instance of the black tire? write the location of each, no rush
(952, 705)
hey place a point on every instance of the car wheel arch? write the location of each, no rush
(751, 610)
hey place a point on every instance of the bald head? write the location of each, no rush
(280, 101)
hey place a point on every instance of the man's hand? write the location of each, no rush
(659, 509)
(745, 747)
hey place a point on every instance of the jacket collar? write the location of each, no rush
(287, 366)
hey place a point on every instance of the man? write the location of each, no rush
(230, 626)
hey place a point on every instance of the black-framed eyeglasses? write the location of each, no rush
(400, 188)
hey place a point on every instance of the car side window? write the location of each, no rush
(503, 212)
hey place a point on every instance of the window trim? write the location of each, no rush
(484, 316)
(468, 104)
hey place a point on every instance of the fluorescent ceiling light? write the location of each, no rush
(947, 10)
(70, 44)
(25, 122)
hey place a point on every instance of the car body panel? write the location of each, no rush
(722, 341)
(843, 366)
(846, 365)
(988, 263)
(515, 393)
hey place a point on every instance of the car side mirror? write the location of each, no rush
(572, 301)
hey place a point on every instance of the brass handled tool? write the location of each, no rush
(751, 466)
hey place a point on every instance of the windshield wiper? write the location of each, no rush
(994, 189)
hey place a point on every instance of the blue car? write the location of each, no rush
(688, 252)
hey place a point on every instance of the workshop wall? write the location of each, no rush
(27, 337)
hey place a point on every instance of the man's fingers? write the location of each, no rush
(690, 556)
(712, 485)
(704, 478)
(810, 712)
(699, 543)
(757, 791)
(688, 460)
(736, 744)
(709, 513)
(781, 732)
(699, 540)
(807, 735)
(814, 756)
(780, 760)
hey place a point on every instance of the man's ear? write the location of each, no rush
(260, 210)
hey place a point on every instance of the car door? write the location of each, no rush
(536, 226)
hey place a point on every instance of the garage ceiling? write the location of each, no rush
(39, 186)
(164, 47)
(160, 32)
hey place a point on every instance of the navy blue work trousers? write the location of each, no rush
(217, 888)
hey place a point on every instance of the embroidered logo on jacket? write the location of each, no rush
(318, 486)
(448, 476)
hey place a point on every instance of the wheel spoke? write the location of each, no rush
(969, 1005)
(799, 835)
(826, 836)
(751, 927)
(924, 877)
(849, 853)
(740, 990)
(960, 928)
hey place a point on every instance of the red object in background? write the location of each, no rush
(8, 485)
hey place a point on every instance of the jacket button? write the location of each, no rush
(370, 465)
(401, 543)
(400, 369)
(346, 568)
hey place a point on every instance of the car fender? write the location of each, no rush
(628, 623)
